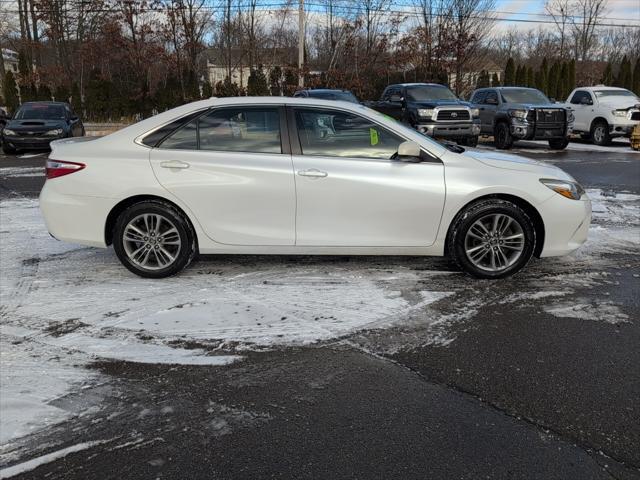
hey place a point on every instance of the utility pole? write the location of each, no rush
(300, 42)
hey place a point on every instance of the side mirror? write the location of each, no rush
(408, 152)
(396, 98)
(74, 118)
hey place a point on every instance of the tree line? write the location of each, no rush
(120, 58)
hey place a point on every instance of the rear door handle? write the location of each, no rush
(312, 172)
(174, 164)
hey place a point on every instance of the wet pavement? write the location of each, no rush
(533, 377)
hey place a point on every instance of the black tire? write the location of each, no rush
(465, 220)
(502, 136)
(600, 133)
(469, 142)
(558, 143)
(183, 254)
(9, 150)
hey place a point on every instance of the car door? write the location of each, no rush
(232, 167)
(488, 112)
(350, 192)
(582, 106)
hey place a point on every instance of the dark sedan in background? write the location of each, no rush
(36, 124)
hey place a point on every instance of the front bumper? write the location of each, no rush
(35, 143)
(449, 130)
(622, 128)
(566, 224)
(524, 130)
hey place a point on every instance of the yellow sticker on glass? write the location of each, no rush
(373, 135)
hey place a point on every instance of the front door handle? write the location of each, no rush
(174, 164)
(312, 172)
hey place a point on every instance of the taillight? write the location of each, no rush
(58, 168)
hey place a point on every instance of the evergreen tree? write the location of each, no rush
(495, 80)
(544, 76)
(510, 73)
(98, 96)
(207, 90)
(531, 80)
(10, 92)
(607, 76)
(563, 82)
(61, 93)
(275, 79)
(227, 88)
(553, 80)
(624, 75)
(76, 98)
(572, 76)
(44, 93)
(521, 73)
(483, 80)
(636, 77)
(257, 83)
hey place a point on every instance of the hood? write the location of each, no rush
(619, 102)
(556, 106)
(439, 103)
(515, 162)
(35, 124)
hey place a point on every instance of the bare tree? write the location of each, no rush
(589, 16)
(559, 10)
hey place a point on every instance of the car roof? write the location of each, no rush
(44, 102)
(601, 87)
(417, 84)
(327, 90)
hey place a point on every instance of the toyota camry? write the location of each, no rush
(304, 176)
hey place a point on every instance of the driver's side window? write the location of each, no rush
(333, 133)
(492, 98)
(581, 98)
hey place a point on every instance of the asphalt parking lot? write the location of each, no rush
(324, 367)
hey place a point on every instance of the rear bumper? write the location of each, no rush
(566, 224)
(74, 218)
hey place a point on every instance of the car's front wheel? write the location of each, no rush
(492, 239)
(502, 136)
(600, 133)
(153, 239)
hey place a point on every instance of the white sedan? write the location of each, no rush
(303, 176)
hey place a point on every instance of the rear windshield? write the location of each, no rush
(41, 112)
(344, 96)
(419, 93)
(523, 96)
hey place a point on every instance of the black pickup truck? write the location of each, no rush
(518, 113)
(432, 109)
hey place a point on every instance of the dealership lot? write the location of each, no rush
(324, 367)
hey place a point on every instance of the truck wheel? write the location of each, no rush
(502, 137)
(600, 133)
(471, 141)
(558, 143)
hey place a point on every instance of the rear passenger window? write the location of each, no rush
(241, 130)
(253, 130)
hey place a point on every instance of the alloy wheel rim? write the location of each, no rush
(494, 242)
(151, 241)
(599, 134)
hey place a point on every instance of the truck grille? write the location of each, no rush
(454, 115)
(635, 116)
(548, 115)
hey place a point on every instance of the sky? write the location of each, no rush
(618, 11)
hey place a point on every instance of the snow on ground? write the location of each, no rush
(64, 306)
(14, 172)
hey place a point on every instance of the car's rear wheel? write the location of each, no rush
(502, 136)
(600, 133)
(492, 239)
(558, 143)
(153, 239)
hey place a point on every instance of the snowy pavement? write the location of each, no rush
(66, 308)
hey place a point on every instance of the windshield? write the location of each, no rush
(421, 93)
(523, 96)
(40, 112)
(344, 96)
(613, 93)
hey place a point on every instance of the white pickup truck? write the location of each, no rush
(602, 113)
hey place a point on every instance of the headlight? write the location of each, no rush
(55, 131)
(619, 113)
(475, 112)
(522, 114)
(570, 116)
(6, 131)
(425, 112)
(572, 190)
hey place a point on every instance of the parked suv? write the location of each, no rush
(517, 113)
(602, 113)
(432, 109)
(36, 124)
